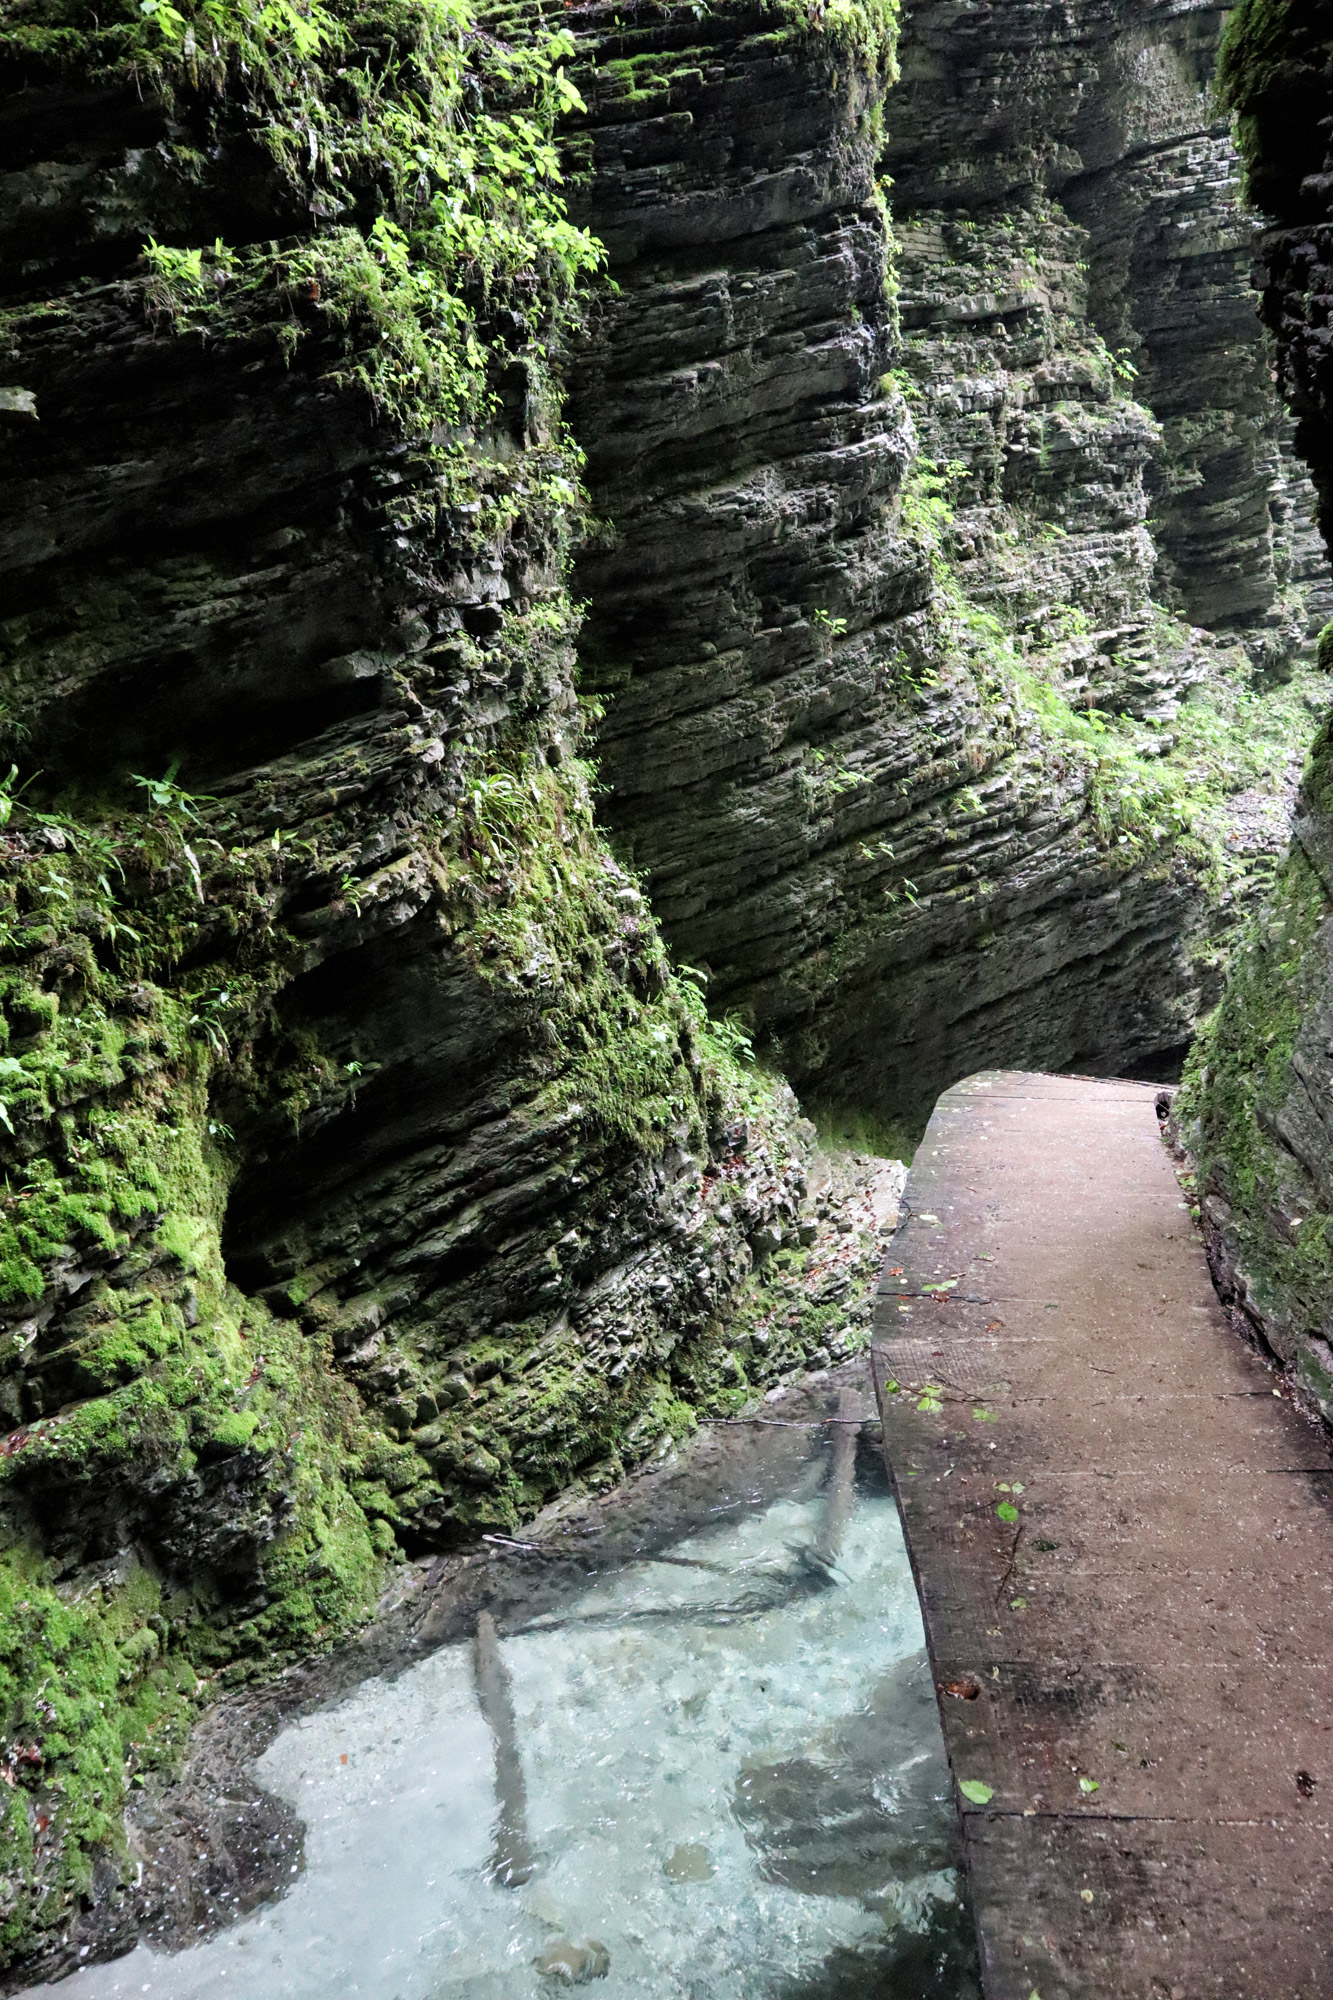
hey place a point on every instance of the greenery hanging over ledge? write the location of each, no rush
(419, 145)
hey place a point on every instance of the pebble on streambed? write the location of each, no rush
(689, 1863)
(573, 1964)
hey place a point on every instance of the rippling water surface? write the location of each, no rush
(725, 1781)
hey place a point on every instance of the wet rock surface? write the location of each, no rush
(1253, 1115)
(810, 749)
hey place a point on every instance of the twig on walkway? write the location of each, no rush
(1012, 1564)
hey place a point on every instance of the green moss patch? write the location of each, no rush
(1275, 1225)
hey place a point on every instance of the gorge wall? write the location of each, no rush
(373, 1167)
(1255, 1111)
(369, 1174)
(911, 723)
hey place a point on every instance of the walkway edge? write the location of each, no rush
(1122, 1541)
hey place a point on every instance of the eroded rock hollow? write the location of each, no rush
(517, 684)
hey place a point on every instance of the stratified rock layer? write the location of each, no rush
(1255, 1113)
(371, 1173)
(848, 807)
(1085, 171)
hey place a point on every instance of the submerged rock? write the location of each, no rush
(512, 1861)
(690, 1862)
(866, 1803)
(568, 1963)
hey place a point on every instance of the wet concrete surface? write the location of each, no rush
(1123, 1541)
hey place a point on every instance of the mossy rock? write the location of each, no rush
(1323, 651)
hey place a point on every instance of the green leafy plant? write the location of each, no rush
(926, 500)
(208, 1018)
(166, 796)
(726, 1037)
(445, 134)
(8, 796)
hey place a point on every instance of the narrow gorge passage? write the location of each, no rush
(951, 542)
(596, 605)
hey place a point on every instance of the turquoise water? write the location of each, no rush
(732, 1776)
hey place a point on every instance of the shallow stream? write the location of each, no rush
(695, 1756)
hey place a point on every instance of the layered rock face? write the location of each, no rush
(859, 583)
(1003, 134)
(1255, 1112)
(371, 1174)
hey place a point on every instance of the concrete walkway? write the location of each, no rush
(1124, 1546)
